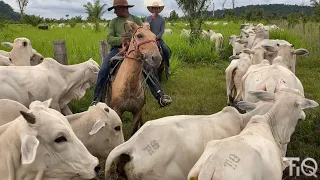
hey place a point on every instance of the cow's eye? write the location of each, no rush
(60, 139)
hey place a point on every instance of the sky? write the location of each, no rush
(59, 8)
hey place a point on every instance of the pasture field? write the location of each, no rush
(197, 84)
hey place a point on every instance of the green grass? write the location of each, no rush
(197, 85)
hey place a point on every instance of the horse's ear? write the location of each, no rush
(133, 25)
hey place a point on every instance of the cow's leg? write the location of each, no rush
(137, 118)
(66, 111)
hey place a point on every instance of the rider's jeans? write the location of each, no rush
(103, 74)
(166, 51)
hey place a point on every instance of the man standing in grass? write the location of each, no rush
(157, 26)
(115, 38)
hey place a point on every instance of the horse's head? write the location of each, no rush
(143, 42)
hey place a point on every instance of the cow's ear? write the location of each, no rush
(29, 145)
(262, 95)
(97, 126)
(7, 44)
(246, 106)
(47, 102)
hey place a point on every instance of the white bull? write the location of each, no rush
(5, 61)
(41, 145)
(49, 79)
(269, 78)
(171, 155)
(99, 128)
(257, 152)
(22, 53)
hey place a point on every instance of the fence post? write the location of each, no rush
(103, 51)
(60, 51)
(304, 29)
(310, 31)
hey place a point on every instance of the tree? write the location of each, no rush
(315, 3)
(173, 16)
(229, 14)
(194, 11)
(32, 19)
(67, 15)
(95, 11)
(77, 19)
(22, 5)
(233, 3)
(316, 13)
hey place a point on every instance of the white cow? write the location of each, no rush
(185, 32)
(217, 38)
(99, 128)
(49, 79)
(22, 53)
(259, 53)
(236, 47)
(288, 53)
(171, 155)
(234, 73)
(5, 61)
(248, 40)
(225, 23)
(269, 78)
(62, 25)
(210, 32)
(52, 26)
(257, 152)
(168, 31)
(40, 144)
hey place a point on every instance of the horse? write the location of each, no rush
(127, 92)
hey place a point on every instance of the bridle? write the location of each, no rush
(136, 46)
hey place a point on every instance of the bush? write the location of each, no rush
(32, 20)
(73, 23)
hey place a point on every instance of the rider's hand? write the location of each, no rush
(125, 40)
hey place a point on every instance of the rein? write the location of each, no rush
(136, 46)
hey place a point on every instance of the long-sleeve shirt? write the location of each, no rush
(157, 25)
(116, 29)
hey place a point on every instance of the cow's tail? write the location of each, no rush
(208, 168)
(118, 158)
(229, 80)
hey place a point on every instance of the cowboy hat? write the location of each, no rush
(117, 3)
(155, 4)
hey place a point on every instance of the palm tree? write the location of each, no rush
(314, 3)
(94, 11)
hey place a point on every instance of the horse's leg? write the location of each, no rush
(137, 118)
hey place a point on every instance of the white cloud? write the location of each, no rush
(59, 8)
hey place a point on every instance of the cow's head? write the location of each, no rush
(105, 130)
(49, 144)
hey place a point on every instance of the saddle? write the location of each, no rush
(115, 63)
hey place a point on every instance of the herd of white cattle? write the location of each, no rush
(40, 138)
(83, 26)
